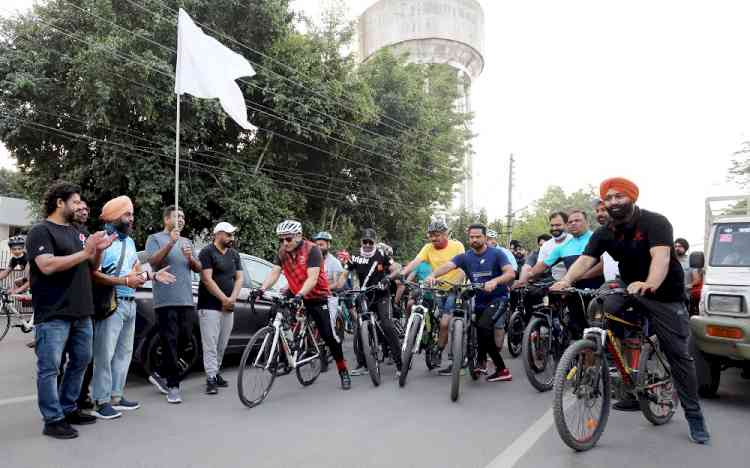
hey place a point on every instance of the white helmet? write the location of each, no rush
(492, 234)
(289, 227)
(387, 249)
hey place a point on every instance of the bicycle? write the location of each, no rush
(583, 370)
(9, 314)
(516, 323)
(463, 340)
(423, 316)
(369, 329)
(261, 359)
(546, 337)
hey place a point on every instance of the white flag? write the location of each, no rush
(207, 69)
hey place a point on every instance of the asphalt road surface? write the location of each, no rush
(493, 424)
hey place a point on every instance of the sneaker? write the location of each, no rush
(220, 382)
(126, 405)
(346, 380)
(436, 360)
(173, 395)
(60, 430)
(482, 368)
(79, 418)
(360, 370)
(211, 388)
(627, 405)
(500, 376)
(106, 411)
(446, 372)
(698, 430)
(159, 382)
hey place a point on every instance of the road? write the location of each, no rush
(493, 424)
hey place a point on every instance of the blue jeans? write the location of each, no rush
(52, 339)
(446, 304)
(113, 350)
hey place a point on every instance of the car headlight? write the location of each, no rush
(725, 303)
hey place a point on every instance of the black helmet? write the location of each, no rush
(17, 241)
(369, 234)
(437, 226)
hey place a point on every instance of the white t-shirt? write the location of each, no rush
(611, 267)
(333, 269)
(558, 270)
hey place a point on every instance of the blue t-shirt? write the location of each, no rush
(111, 257)
(481, 268)
(422, 272)
(509, 255)
(569, 252)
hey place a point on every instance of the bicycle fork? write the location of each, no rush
(418, 311)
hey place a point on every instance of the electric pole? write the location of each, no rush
(510, 200)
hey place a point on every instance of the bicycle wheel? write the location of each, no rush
(369, 346)
(515, 333)
(457, 350)
(4, 322)
(309, 371)
(408, 353)
(472, 353)
(257, 368)
(581, 396)
(537, 352)
(657, 396)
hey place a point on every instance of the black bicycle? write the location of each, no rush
(547, 336)
(262, 359)
(463, 340)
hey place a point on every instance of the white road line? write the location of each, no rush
(515, 451)
(23, 399)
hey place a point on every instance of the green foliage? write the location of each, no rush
(87, 97)
(10, 184)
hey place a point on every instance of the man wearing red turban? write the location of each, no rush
(643, 244)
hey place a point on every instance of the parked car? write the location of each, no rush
(147, 350)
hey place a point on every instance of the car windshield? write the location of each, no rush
(256, 272)
(731, 245)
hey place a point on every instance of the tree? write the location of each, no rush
(740, 169)
(10, 184)
(87, 97)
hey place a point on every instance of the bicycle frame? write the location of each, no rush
(420, 310)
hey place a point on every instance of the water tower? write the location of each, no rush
(447, 32)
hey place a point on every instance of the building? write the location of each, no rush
(15, 217)
(431, 31)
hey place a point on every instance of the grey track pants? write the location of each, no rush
(216, 326)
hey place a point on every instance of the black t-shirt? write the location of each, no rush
(362, 267)
(224, 267)
(65, 294)
(631, 244)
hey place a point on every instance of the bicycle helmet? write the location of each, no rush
(289, 226)
(323, 235)
(387, 249)
(437, 226)
(16, 241)
(491, 234)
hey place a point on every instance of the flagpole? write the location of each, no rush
(177, 167)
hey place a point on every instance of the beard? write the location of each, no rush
(556, 233)
(477, 245)
(69, 215)
(123, 227)
(620, 212)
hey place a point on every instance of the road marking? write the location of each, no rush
(23, 399)
(515, 451)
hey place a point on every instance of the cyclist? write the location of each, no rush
(492, 242)
(558, 229)
(500, 329)
(568, 253)
(18, 262)
(373, 266)
(336, 275)
(437, 253)
(302, 264)
(642, 242)
(483, 264)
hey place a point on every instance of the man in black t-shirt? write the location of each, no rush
(221, 282)
(373, 266)
(642, 242)
(61, 260)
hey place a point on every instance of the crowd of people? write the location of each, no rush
(84, 287)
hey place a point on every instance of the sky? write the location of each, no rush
(579, 91)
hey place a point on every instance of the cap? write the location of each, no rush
(224, 227)
(369, 234)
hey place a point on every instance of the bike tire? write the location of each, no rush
(541, 377)
(250, 354)
(308, 372)
(645, 377)
(457, 350)
(4, 322)
(408, 354)
(515, 334)
(563, 376)
(368, 349)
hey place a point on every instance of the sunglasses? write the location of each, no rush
(286, 240)
(368, 242)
